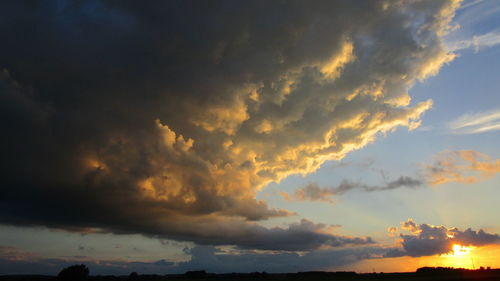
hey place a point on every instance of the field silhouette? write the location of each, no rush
(81, 273)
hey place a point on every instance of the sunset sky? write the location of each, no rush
(243, 136)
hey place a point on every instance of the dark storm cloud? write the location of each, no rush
(314, 192)
(165, 118)
(428, 240)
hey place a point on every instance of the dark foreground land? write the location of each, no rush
(423, 274)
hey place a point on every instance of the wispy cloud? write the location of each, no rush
(477, 42)
(474, 14)
(472, 29)
(475, 123)
(470, 4)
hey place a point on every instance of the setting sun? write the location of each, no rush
(459, 250)
(459, 257)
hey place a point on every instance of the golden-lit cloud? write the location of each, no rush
(392, 231)
(166, 120)
(464, 166)
(332, 67)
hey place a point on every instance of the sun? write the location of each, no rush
(459, 257)
(459, 250)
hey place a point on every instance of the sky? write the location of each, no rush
(229, 136)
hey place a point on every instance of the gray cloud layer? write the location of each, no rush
(202, 257)
(164, 119)
(302, 236)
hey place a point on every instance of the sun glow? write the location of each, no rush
(459, 250)
(459, 257)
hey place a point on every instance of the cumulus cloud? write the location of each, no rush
(464, 166)
(314, 192)
(427, 240)
(166, 118)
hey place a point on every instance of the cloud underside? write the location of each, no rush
(165, 120)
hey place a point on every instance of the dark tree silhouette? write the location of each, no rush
(74, 272)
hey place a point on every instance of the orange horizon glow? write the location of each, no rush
(463, 257)
(460, 257)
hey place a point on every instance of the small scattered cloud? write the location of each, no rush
(464, 166)
(392, 231)
(409, 225)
